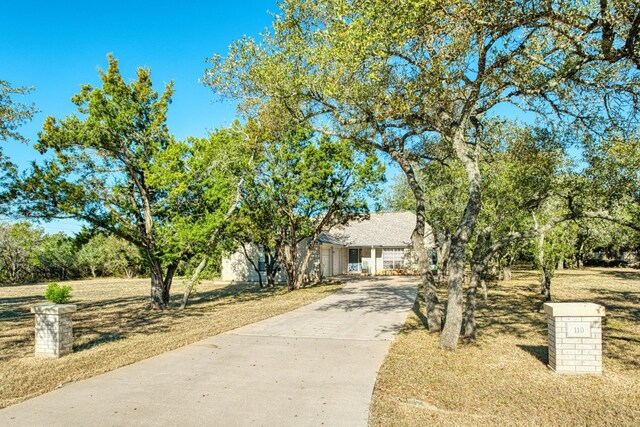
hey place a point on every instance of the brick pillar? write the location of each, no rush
(575, 337)
(54, 329)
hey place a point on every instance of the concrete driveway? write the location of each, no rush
(314, 366)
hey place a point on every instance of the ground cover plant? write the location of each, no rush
(501, 379)
(114, 327)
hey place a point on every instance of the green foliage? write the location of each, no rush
(58, 294)
(109, 256)
(13, 114)
(117, 167)
(201, 176)
(28, 254)
(20, 245)
(303, 184)
(612, 175)
(56, 256)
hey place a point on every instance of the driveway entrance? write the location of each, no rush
(313, 366)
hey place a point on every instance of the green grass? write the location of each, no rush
(502, 378)
(114, 327)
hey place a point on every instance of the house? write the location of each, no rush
(377, 245)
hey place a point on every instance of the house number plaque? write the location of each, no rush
(578, 329)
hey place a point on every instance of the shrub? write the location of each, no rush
(58, 294)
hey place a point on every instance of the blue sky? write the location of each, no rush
(58, 46)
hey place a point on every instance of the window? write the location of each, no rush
(392, 258)
(262, 266)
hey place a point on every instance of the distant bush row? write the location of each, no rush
(28, 254)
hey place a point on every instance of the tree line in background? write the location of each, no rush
(333, 90)
(27, 254)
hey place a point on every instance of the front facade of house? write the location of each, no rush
(378, 245)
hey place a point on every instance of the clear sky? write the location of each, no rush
(56, 46)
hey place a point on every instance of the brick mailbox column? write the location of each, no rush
(54, 329)
(575, 337)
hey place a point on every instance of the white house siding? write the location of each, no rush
(371, 237)
(379, 261)
(325, 261)
(236, 267)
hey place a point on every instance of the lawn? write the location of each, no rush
(502, 378)
(114, 327)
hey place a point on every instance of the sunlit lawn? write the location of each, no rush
(502, 379)
(114, 327)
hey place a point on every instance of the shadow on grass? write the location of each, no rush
(540, 352)
(112, 320)
(622, 274)
(416, 309)
(117, 318)
(14, 309)
(103, 321)
(516, 309)
(102, 338)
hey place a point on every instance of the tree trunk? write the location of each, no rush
(495, 272)
(560, 264)
(168, 281)
(434, 314)
(580, 256)
(270, 261)
(506, 273)
(541, 260)
(453, 321)
(479, 260)
(470, 311)
(443, 249)
(464, 231)
(253, 264)
(546, 283)
(193, 280)
(157, 285)
(290, 264)
(161, 283)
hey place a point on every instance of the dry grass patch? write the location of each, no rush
(502, 378)
(114, 327)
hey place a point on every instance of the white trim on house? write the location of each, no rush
(361, 247)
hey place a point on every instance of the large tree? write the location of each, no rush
(414, 74)
(117, 167)
(304, 185)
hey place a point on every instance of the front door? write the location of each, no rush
(355, 261)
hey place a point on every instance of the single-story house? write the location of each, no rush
(377, 245)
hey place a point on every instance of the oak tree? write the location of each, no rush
(411, 74)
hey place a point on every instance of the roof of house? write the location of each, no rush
(388, 229)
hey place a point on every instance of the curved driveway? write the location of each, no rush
(313, 366)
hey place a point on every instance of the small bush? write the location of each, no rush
(58, 294)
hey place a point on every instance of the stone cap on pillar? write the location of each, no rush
(573, 309)
(50, 308)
